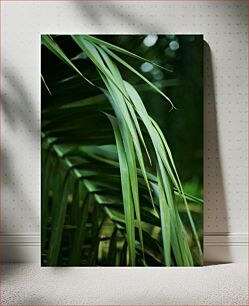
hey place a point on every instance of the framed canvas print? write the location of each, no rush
(122, 150)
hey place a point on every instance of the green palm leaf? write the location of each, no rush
(114, 197)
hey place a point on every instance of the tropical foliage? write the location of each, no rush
(111, 193)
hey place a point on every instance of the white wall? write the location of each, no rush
(224, 25)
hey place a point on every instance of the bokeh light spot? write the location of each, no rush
(150, 40)
(146, 67)
(174, 45)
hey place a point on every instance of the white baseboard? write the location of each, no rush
(20, 247)
(226, 247)
(218, 247)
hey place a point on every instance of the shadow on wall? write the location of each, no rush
(17, 106)
(19, 119)
(90, 12)
(214, 194)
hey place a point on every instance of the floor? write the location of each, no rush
(30, 284)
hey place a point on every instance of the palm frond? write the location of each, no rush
(110, 202)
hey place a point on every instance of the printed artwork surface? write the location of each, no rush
(122, 150)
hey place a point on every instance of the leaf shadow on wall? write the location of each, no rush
(124, 17)
(19, 119)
